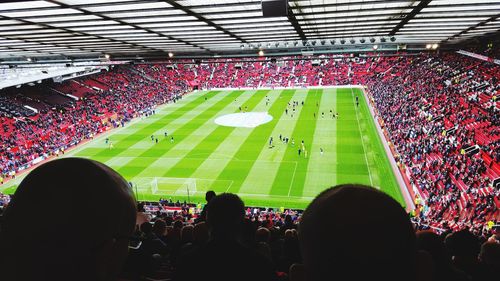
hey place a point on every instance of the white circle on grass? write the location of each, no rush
(244, 120)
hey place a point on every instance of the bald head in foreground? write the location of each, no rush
(355, 232)
(69, 219)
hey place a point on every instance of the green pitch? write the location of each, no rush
(205, 156)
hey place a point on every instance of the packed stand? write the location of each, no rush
(64, 122)
(442, 116)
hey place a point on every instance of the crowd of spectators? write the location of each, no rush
(440, 112)
(443, 119)
(124, 94)
(78, 109)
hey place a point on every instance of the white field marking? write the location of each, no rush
(93, 143)
(180, 190)
(279, 196)
(361, 136)
(177, 158)
(183, 147)
(259, 195)
(229, 187)
(284, 126)
(243, 120)
(293, 177)
(204, 179)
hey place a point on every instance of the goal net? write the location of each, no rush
(165, 185)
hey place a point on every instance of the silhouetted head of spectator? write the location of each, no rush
(159, 228)
(209, 195)
(147, 228)
(490, 254)
(187, 234)
(359, 233)
(262, 235)
(464, 248)
(140, 207)
(462, 244)
(169, 221)
(200, 233)
(290, 233)
(225, 216)
(178, 224)
(433, 244)
(85, 215)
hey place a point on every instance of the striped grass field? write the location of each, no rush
(207, 156)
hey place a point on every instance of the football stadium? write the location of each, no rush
(282, 140)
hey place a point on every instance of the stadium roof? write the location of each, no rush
(92, 28)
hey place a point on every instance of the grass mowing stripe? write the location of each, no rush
(243, 155)
(135, 167)
(350, 155)
(215, 163)
(362, 141)
(268, 162)
(137, 124)
(237, 171)
(142, 141)
(289, 181)
(172, 110)
(380, 166)
(187, 166)
(157, 165)
(129, 141)
(321, 167)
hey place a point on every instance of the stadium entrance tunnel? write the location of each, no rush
(244, 120)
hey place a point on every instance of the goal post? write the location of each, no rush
(166, 185)
(154, 186)
(176, 187)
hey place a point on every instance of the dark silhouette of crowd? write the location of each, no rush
(77, 219)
